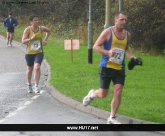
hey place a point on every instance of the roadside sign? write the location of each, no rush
(71, 45)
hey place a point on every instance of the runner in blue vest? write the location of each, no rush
(9, 24)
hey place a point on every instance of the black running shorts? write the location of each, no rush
(108, 74)
(33, 58)
(11, 30)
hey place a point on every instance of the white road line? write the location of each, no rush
(2, 120)
(41, 91)
(20, 108)
(35, 97)
(10, 114)
(28, 102)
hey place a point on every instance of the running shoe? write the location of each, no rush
(7, 42)
(30, 90)
(87, 99)
(36, 90)
(112, 120)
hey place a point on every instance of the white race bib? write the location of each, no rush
(118, 58)
(35, 46)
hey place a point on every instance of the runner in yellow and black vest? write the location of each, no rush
(119, 46)
(32, 37)
(35, 45)
(113, 45)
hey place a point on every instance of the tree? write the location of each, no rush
(146, 22)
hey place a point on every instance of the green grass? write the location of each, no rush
(144, 91)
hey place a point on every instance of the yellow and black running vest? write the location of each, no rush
(35, 45)
(116, 62)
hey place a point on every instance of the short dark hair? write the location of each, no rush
(118, 13)
(32, 17)
(10, 13)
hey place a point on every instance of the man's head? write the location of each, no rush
(10, 14)
(120, 20)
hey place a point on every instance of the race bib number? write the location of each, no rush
(118, 58)
(35, 45)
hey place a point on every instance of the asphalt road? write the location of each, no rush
(19, 107)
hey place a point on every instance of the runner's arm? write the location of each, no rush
(25, 37)
(47, 30)
(128, 52)
(4, 23)
(15, 22)
(103, 38)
